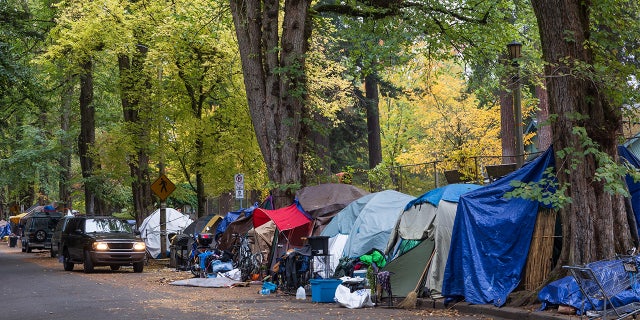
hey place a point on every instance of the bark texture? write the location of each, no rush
(87, 136)
(595, 224)
(275, 83)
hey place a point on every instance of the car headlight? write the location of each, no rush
(139, 246)
(100, 246)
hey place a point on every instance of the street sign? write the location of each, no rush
(163, 187)
(239, 181)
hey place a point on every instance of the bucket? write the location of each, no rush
(324, 290)
(319, 245)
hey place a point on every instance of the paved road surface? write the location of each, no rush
(34, 286)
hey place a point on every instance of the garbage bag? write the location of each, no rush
(353, 300)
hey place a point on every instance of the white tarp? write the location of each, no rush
(150, 229)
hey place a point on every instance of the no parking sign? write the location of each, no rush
(239, 181)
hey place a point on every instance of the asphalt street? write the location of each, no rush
(35, 286)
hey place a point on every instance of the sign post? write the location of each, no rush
(163, 187)
(239, 182)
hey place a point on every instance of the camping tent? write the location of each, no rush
(204, 224)
(322, 202)
(423, 229)
(291, 221)
(363, 225)
(176, 222)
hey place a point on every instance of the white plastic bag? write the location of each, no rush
(353, 300)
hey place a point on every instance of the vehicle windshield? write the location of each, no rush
(106, 225)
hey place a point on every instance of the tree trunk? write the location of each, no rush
(64, 185)
(372, 100)
(275, 82)
(595, 224)
(87, 134)
(200, 194)
(134, 85)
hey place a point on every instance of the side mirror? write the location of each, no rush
(137, 232)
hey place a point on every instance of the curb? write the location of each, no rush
(493, 311)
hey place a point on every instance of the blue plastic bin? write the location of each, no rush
(324, 290)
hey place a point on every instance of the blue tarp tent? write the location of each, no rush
(491, 237)
(492, 234)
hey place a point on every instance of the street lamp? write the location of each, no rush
(515, 49)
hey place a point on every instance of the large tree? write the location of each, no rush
(577, 40)
(273, 64)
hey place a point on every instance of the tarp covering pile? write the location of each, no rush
(565, 291)
(491, 237)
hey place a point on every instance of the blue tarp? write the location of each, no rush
(634, 187)
(491, 238)
(565, 291)
(231, 217)
(491, 235)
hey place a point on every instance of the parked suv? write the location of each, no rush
(101, 241)
(37, 230)
(57, 233)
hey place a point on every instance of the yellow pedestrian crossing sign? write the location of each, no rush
(163, 187)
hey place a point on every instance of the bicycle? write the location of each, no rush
(243, 259)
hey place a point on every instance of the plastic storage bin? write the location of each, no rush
(324, 290)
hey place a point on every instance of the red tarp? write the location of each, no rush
(294, 223)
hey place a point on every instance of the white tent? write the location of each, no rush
(150, 229)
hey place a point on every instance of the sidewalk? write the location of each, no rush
(493, 311)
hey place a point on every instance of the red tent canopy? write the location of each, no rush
(291, 220)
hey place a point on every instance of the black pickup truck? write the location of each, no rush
(101, 241)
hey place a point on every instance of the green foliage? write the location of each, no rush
(382, 177)
(550, 192)
(546, 191)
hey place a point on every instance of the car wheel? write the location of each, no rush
(68, 265)
(138, 266)
(88, 264)
(41, 235)
(114, 268)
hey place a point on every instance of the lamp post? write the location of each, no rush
(515, 53)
